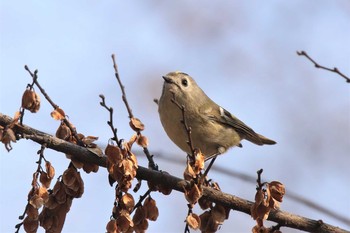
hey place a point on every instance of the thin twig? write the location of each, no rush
(151, 163)
(260, 185)
(142, 198)
(335, 69)
(121, 87)
(187, 228)
(35, 80)
(187, 127)
(110, 122)
(35, 176)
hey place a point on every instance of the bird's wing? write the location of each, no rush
(224, 117)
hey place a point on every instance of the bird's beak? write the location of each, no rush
(167, 79)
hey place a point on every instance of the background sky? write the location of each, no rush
(242, 54)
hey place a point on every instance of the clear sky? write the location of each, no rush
(242, 54)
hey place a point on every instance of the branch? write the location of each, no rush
(55, 106)
(335, 69)
(121, 87)
(284, 219)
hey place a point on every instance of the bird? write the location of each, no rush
(213, 129)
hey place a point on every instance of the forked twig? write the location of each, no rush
(151, 162)
(186, 126)
(110, 122)
(55, 106)
(335, 69)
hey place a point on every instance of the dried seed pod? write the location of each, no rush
(58, 114)
(50, 170)
(193, 221)
(204, 203)
(151, 209)
(193, 194)
(142, 141)
(112, 226)
(114, 154)
(96, 150)
(165, 190)
(140, 215)
(127, 202)
(52, 202)
(8, 136)
(141, 227)
(36, 201)
(31, 101)
(277, 190)
(204, 219)
(133, 158)
(189, 173)
(136, 124)
(124, 221)
(218, 213)
(45, 180)
(88, 140)
(32, 212)
(90, 167)
(69, 177)
(63, 132)
(76, 163)
(30, 225)
(199, 162)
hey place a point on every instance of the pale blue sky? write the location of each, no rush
(242, 54)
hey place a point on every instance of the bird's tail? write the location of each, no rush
(259, 139)
(266, 140)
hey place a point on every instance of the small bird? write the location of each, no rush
(213, 129)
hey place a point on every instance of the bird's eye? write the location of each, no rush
(184, 82)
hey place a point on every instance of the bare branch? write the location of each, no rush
(55, 106)
(121, 87)
(284, 219)
(110, 122)
(149, 156)
(335, 69)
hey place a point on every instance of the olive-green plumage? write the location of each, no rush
(214, 130)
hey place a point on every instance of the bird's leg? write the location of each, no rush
(210, 165)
